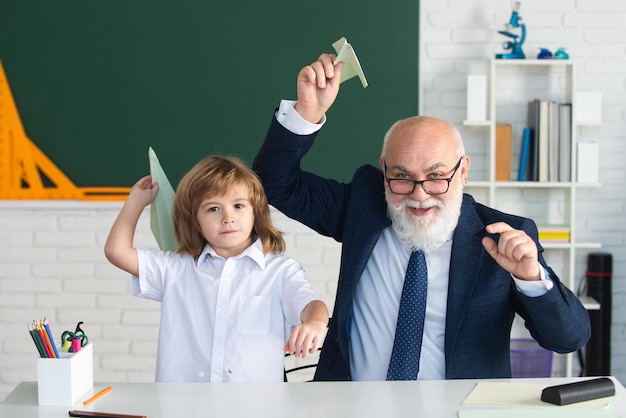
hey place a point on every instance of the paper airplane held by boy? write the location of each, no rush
(352, 67)
(161, 222)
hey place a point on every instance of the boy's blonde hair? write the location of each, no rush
(213, 176)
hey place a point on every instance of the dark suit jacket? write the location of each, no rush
(482, 297)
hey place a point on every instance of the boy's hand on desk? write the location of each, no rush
(306, 338)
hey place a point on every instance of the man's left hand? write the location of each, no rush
(515, 252)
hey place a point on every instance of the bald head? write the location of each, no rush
(423, 131)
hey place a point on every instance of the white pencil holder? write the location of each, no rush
(63, 381)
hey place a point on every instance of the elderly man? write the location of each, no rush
(430, 280)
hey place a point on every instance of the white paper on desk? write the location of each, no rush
(522, 395)
(352, 67)
(513, 412)
(161, 222)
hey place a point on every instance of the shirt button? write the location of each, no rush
(201, 374)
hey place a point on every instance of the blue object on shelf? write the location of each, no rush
(561, 54)
(517, 40)
(544, 53)
(523, 161)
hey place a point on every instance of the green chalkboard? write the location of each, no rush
(98, 82)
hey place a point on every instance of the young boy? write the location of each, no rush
(232, 303)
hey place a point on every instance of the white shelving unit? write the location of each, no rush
(511, 85)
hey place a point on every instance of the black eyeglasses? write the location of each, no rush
(430, 186)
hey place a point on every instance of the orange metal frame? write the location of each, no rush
(22, 163)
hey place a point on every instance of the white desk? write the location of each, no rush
(424, 399)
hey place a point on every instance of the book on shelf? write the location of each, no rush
(553, 141)
(565, 142)
(533, 156)
(504, 148)
(538, 121)
(523, 173)
(554, 233)
(549, 154)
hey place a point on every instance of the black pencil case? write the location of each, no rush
(585, 390)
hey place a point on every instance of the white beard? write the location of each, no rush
(425, 232)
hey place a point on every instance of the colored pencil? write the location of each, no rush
(41, 338)
(36, 341)
(50, 337)
(102, 414)
(46, 340)
(98, 395)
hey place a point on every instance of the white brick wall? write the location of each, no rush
(51, 259)
(459, 36)
(52, 265)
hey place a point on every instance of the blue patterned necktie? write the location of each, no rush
(407, 344)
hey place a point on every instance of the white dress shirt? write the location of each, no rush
(223, 320)
(376, 305)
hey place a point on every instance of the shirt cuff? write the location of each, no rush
(287, 116)
(535, 288)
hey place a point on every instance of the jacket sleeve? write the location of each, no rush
(312, 200)
(557, 319)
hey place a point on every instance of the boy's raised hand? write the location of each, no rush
(119, 248)
(144, 191)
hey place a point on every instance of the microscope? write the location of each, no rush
(515, 44)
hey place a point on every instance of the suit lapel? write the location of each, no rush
(465, 264)
(362, 231)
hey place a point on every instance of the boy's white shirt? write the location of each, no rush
(223, 320)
